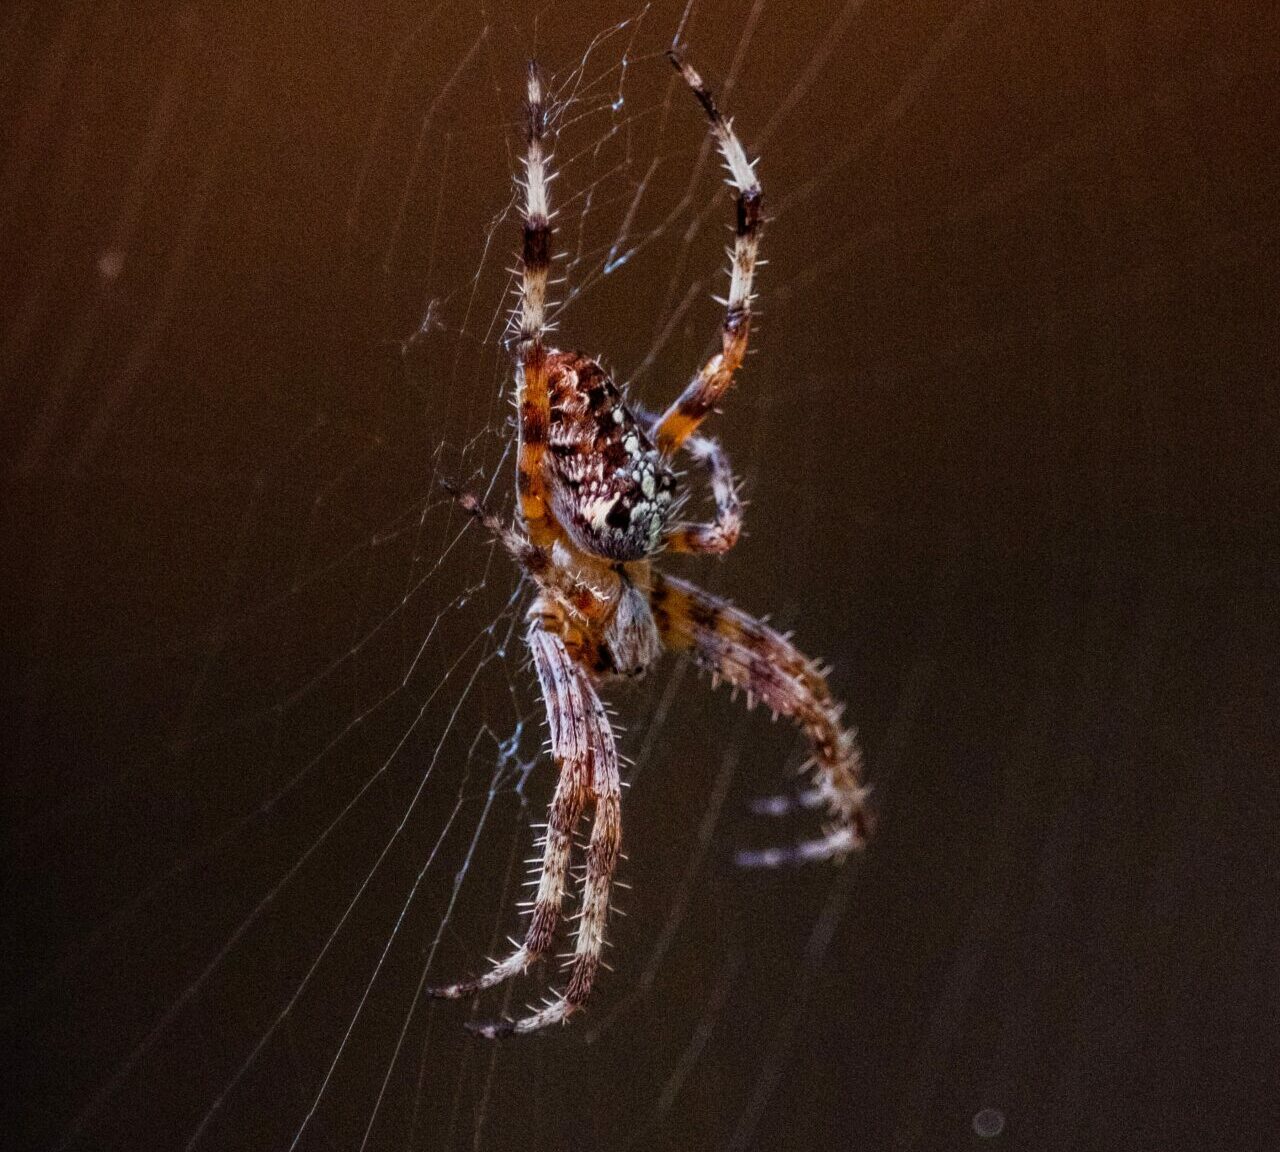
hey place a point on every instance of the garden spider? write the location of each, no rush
(597, 495)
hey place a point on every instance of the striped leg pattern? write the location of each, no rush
(583, 746)
(750, 655)
(703, 392)
(533, 401)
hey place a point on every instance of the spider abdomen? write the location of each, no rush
(610, 487)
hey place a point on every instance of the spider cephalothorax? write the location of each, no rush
(611, 489)
(596, 491)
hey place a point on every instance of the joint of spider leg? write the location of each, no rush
(536, 251)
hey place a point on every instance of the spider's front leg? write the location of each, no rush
(750, 655)
(583, 745)
(533, 403)
(703, 392)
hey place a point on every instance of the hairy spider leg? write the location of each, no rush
(703, 392)
(750, 655)
(532, 397)
(722, 533)
(584, 604)
(581, 740)
(602, 860)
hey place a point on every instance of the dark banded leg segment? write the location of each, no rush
(703, 392)
(602, 860)
(580, 734)
(583, 745)
(750, 655)
(532, 399)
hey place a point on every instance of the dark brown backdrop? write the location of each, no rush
(1009, 442)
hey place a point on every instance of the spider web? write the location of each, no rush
(310, 742)
(280, 747)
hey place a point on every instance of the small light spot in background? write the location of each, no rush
(988, 1123)
(111, 264)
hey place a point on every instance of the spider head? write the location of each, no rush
(611, 488)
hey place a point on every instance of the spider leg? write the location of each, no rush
(602, 860)
(581, 742)
(583, 602)
(750, 655)
(722, 533)
(532, 397)
(705, 389)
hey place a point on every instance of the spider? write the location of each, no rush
(598, 501)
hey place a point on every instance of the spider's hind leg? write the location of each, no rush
(580, 735)
(750, 655)
(583, 745)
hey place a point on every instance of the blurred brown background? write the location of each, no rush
(1009, 441)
